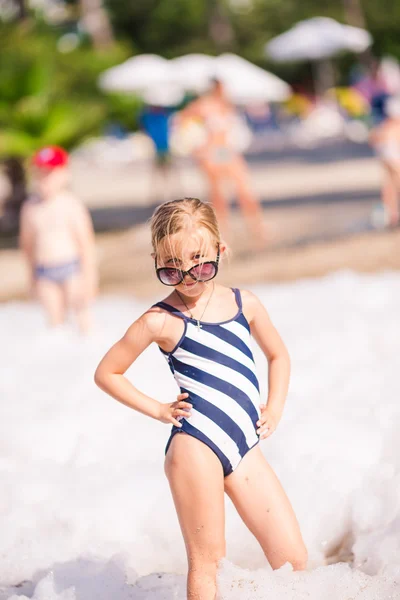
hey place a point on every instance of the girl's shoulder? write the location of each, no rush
(249, 298)
(151, 326)
(250, 304)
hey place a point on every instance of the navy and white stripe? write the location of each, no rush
(215, 366)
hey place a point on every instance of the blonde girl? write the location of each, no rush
(204, 331)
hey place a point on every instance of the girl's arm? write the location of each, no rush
(377, 134)
(194, 110)
(277, 355)
(110, 378)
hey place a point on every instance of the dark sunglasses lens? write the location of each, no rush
(170, 276)
(204, 272)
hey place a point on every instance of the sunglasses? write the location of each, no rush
(202, 272)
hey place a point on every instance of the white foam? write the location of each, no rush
(85, 508)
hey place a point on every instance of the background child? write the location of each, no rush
(204, 331)
(57, 238)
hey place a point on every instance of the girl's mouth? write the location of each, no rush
(190, 285)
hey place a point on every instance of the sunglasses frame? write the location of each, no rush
(184, 273)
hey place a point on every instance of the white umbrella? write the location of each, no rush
(167, 94)
(316, 39)
(137, 74)
(194, 71)
(243, 81)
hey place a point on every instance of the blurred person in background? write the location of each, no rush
(155, 122)
(372, 85)
(386, 140)
(57, 238)
(220, 161)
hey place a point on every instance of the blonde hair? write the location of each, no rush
(180, 215)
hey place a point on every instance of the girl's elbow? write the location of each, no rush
(100, 378)
(283, 357)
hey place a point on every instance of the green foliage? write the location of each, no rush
(164, 27)
(174, 27)
(383, 19)
(124, 109)
(50, 97)
(47, 97)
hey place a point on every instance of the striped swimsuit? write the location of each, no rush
(215, 366)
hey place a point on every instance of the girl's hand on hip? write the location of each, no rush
(169, 413)
(267, 423)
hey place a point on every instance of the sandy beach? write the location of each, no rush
(318, 205)
(126, 266)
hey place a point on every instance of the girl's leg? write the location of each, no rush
(215, 177)
(196, 479)
(51, 297)
(390, 192)
(248, 202)
(264, 507)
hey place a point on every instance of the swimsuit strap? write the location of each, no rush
(238, 298)
(178, 313)
(171, 309)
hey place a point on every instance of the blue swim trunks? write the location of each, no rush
(58, 273)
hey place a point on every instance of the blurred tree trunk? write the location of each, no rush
(97, 23)
(354, 13)
(220, 29)
(22, 12)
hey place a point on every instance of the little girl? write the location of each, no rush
(204, 331)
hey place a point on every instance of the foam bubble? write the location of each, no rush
(82, 476)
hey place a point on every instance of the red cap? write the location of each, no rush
(50, 157)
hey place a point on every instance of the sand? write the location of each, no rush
(317, 206)
(127, 268)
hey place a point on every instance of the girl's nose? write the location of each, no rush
(188, 279)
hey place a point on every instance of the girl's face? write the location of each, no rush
(183, 251)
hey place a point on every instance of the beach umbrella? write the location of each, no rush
(168, 94)
(244, 82)
(137, 74)
(194, 71)
(317, 39)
